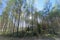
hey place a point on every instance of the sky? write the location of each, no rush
(2, 6)
(39, 4)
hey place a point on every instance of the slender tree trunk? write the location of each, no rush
(18, 24)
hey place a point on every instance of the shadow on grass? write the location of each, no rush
(23, 34)
(20, 34)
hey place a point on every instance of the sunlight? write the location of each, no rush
(30, 17)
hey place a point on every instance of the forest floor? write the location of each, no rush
(27, 38)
